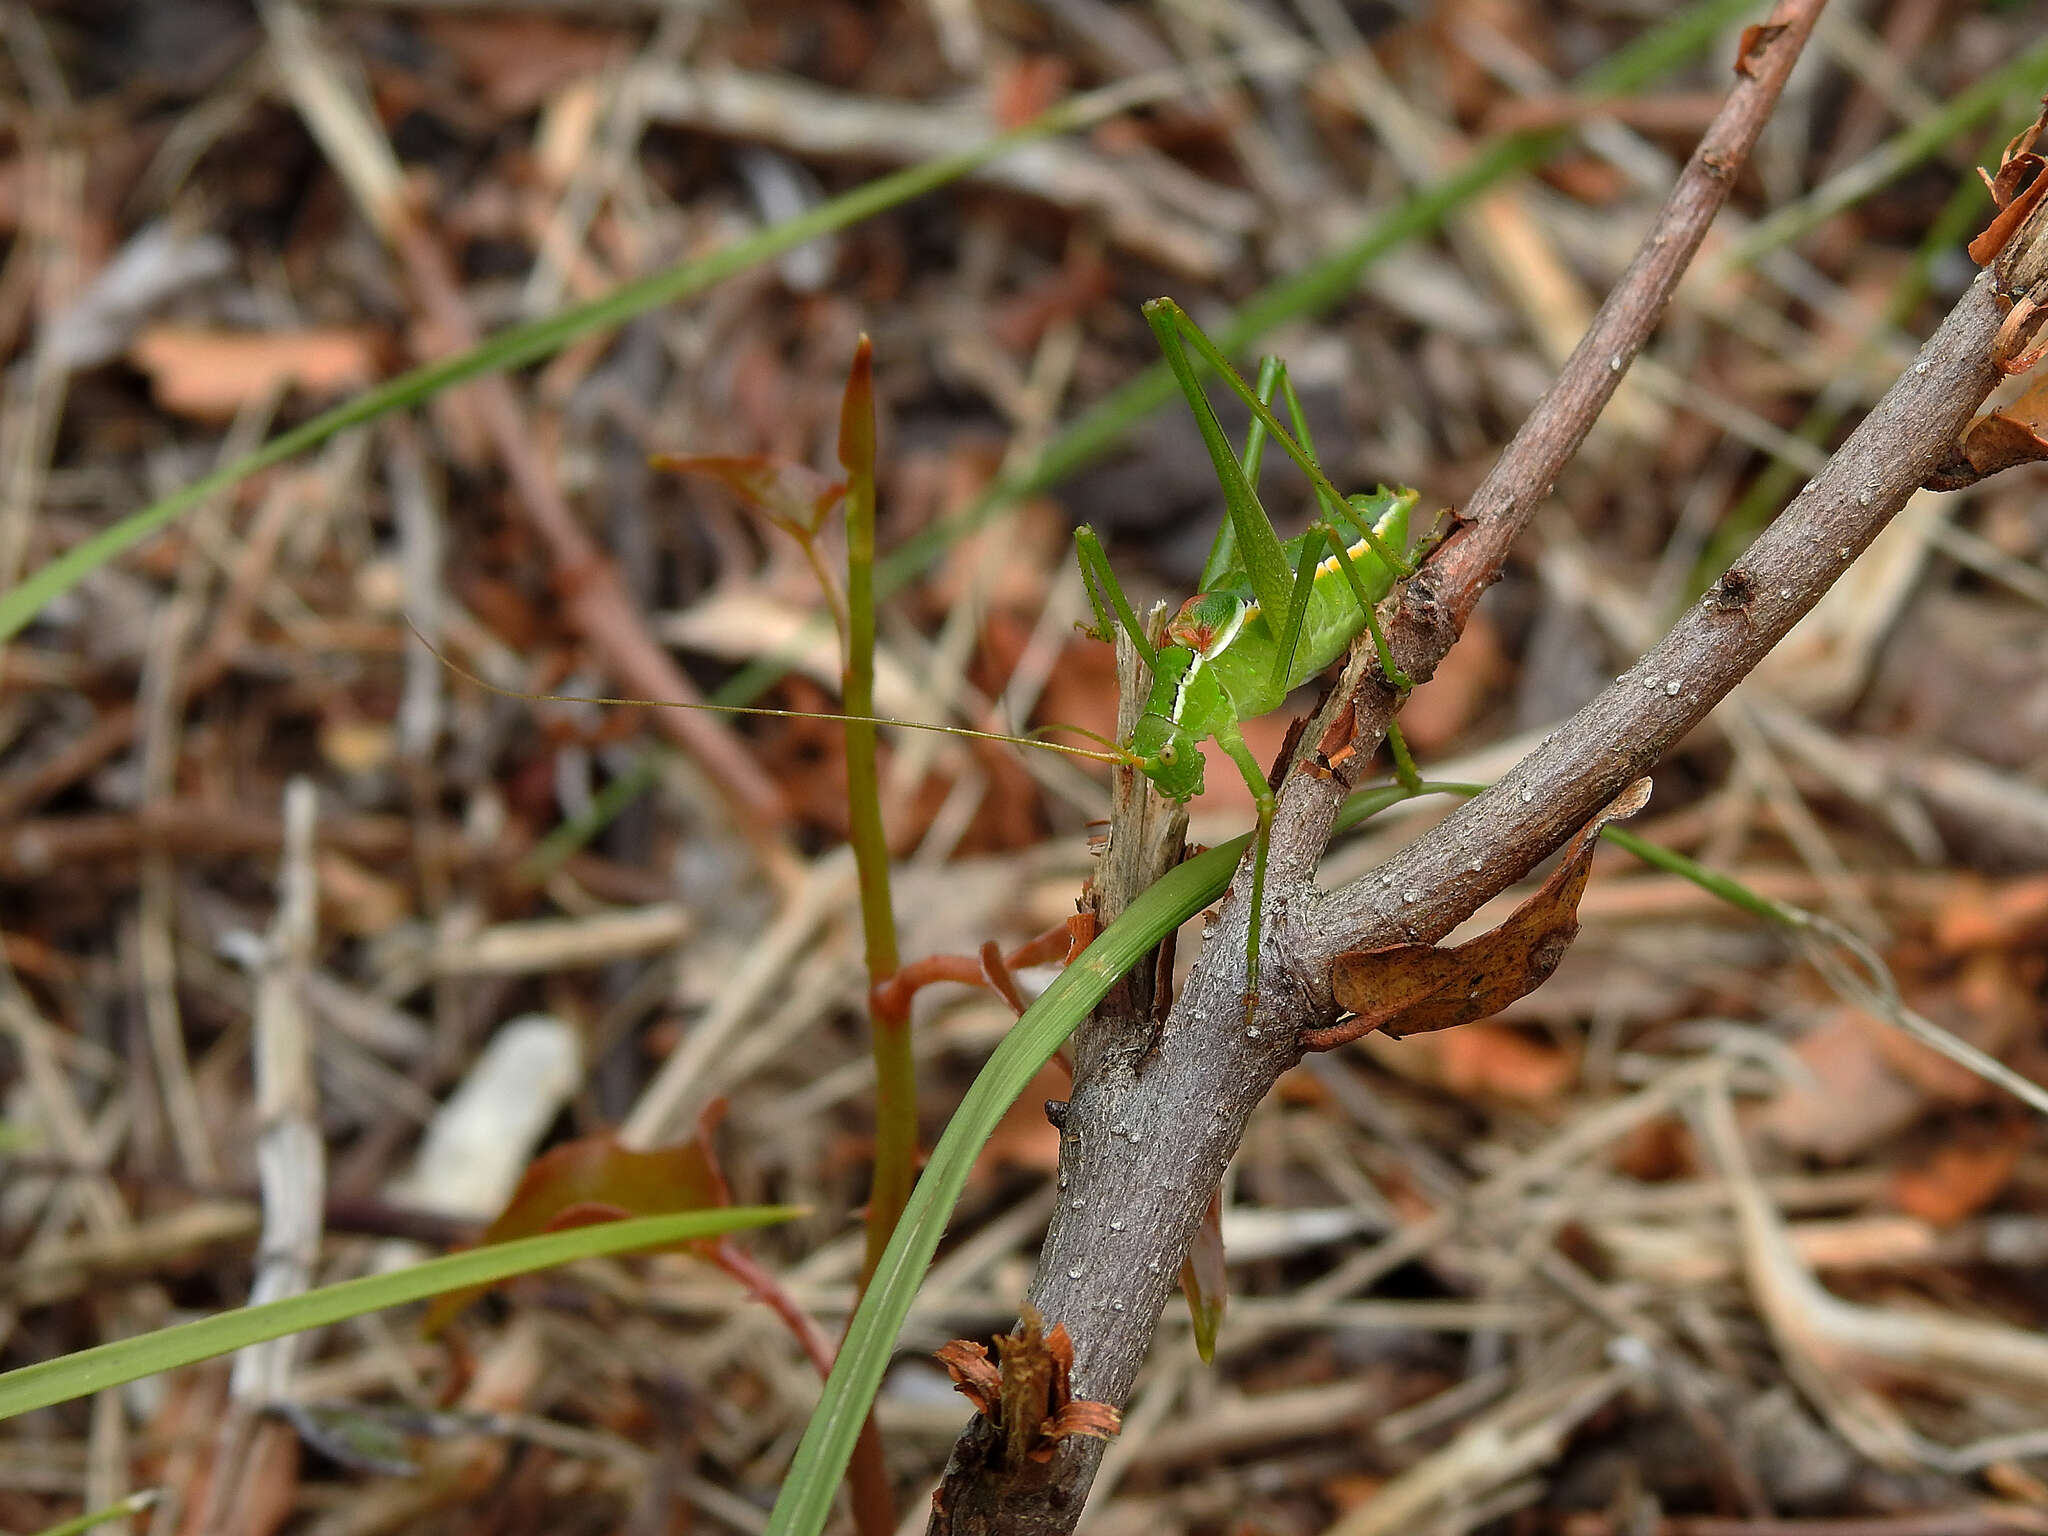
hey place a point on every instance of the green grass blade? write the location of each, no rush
(806, 1497)
(110, 1365)
(524, 344)
(134, 1504)
(2024, 73)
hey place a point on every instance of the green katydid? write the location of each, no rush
(1270, 615)
(1226, 659)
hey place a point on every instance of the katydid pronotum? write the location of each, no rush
(1269, 616)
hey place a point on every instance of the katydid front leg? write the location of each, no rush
(1232, 741)
(1101, 581)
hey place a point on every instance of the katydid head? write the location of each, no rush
(1168, 754)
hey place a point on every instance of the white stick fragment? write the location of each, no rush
(485, 1134)
(290, 1166)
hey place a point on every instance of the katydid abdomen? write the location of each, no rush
(1231, 634)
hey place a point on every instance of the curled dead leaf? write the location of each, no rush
(790, 495)
(2014, 434)
(2015, 190)
(1028, 1394)
(1411, 989)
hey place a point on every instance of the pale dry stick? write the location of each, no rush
(1183, 222)
(544, 944)
(829, 981)
(592, 594)
(107, 1452)
(669, 1105)
(1987, 559)
(1526, 1432)
(250, 1450)
(161, 696)
(1831, 1346)
(290, 1163)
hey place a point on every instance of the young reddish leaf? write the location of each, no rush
(1204, 1280)
(793, 496)
(592, 1180)
(1411, 989)
(857, 415)
(1029, 1394)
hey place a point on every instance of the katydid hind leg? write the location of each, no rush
(1258, 546)
(1223, 552)
(1384, 653)
(1406, 774)
(1165, 316)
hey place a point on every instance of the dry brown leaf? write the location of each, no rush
(1981, 914)
(1028, 1393)
(1413, 989)
(1853, 1101)
(357, 900)
(2014, 434)
(1488, 1060)
(211, 374)
(1961, 1178)
(2015, 190)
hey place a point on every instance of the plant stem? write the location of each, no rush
(895, 1072)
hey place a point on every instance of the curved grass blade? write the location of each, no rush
(110, 1365)
(806, 1497)
(134, 1504)
(2020, 75)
